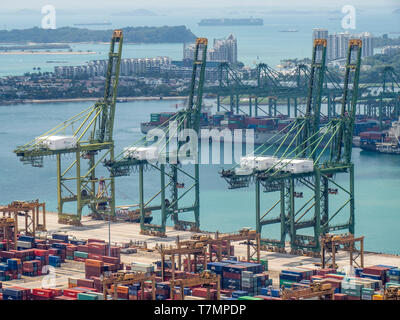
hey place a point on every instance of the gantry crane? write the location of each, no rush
(206, 278)
(332, 243)
(110, 283)
(318, 152)
(34, 214)
(383, 99)
(170, 140)
(84, 136)
(316, 290)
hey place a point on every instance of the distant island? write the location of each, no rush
(137, 13)
(165, 34)
(231, 22)
(93, 24)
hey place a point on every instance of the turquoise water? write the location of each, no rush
(376, 176)
(255, 43)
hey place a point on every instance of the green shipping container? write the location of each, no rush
(81, 254)
(248, 298)
(86, 296)
(286, 283)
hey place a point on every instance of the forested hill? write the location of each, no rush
(165, 34)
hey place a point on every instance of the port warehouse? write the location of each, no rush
(246, 277)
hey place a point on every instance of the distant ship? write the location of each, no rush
(232, 22)
(94, 24)
(382, 142)
(289, 30)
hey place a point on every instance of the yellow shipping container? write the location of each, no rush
(377, 297)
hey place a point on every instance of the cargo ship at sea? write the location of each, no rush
(266, 128)
(382, 141)
(232, 22)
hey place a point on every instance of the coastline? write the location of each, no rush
(119, 100)
(47, 52)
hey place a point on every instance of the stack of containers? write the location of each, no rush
(80, 256)
(42, 256)
(55, 261)
(367, 293)
(393, 275)
(62, 237)
(41, 294)
(239, 293)
(15, 293)
(93, 268)
(31, 268)
(216, 119)
(142, 267)
(14, 268)
(62, 252)
(287, 278)
(25, 242)
(231, 276)
(133, 291)
(202, 292)
(250, 283)
(162, 290)
(269, 291)
(70, 252)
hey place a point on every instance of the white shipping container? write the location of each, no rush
(243, 171)
(24, 244)
(295, 165)
(141, 153)
(58, 142)
(259, 163)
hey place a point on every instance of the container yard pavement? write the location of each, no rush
(123, 232)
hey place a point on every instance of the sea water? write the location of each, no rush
(377, 176)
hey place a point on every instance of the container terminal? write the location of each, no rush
(109, 256)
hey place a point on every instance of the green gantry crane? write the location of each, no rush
(130, 160)
(84, 136)
(326, 148)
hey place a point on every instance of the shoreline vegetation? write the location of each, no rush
(20, 52)
(165, 34)
(119, 100)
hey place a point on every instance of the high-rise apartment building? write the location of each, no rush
(337, 43)
(224, 50)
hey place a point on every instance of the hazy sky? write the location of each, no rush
(118, 5)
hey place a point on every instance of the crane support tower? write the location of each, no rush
(169, 143)
(315, 154)
(83, 137)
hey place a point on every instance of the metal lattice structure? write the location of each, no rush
(171, 170)
(328, 146)
(92, 134)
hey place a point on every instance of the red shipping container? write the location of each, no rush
(231, 275)
(202, 292)
(71, 293)
(85, 283)
(41, 253)
(83, 248)
(56, 292)
(95, 256)
(340, 296)
(42, 293)
(112, 260)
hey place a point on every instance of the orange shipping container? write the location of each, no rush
(94, 263)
